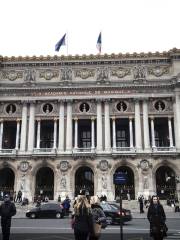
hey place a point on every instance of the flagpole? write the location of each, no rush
(67, 43)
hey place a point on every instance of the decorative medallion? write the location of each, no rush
(84, 107)
(159, 106)
(63, 166)
(24, 166)
(49, 74)
(10, 109)
(103, 165)
(85, 73)
(144, 165)
(12, 75)
(121, 106)
(120, 72)
(158, 71)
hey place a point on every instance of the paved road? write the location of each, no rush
(53, 229)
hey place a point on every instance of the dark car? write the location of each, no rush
(49, 210)
(112, 212)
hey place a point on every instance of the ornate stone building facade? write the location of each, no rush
(72, 122)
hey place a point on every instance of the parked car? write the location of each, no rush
(112, 212)
(49, 210)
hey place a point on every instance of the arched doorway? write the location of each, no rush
(129, 186)
(84, 178)
(45, 182)
(7, 181)
(165, 183)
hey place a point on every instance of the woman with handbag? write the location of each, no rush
(99, 218)
(157, 218)
(83, 219)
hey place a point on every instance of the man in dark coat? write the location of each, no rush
(157, 218)
(7, 210)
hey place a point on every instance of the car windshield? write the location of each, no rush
(106, 207)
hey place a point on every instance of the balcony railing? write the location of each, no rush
(123, 149)
(8, 151)
(44, 150)
(163, 149)
(83, 150)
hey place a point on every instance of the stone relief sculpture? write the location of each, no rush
(102, 74)
(63, 182)
(30, 75)
(158, 71)
(85, 73)
(66, 74)
(49, 74)
(139, 72)
(120, 72)
(12, 75)
(22, 183)
(104, 181)
(146, 182)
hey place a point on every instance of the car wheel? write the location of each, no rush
(33, 215)
(58, 215)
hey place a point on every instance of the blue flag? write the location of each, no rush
(99, 42)
(60, 43)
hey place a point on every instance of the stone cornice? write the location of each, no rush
(131, 58)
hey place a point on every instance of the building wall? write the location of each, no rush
(138, 80)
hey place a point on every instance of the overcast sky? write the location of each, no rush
(33, 27)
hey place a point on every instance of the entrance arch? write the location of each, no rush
(45, 182)
(84, 178)
(165, 182)
(7, 180)
(129, 186)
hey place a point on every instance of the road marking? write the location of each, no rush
(54, 236)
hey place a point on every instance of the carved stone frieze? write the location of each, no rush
(12, 75)
(120, 72)
(139, 72)
(158, 71)
(49, 74)
(84, 73)
(102, 74)
(30, 75)
(66, 74)
(156, 106)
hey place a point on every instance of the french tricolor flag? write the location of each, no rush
(99, 43)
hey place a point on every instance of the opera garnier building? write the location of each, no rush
(71, 122)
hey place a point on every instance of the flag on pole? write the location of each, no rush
(99, 42)
(62, 42)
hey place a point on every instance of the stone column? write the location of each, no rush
(17, 134)
(61, 127)
(177, 120)
(131, 132)
(55, 134)
(152, 133)
(23, 127)
(138, 136)
(76, 133)
(38, 133)
(99, 126)
(114, 132)
(69, 127)
(1, 132)
(107, 127)
(31, 127)
(146, 126)
(92, 134)
(170, 133)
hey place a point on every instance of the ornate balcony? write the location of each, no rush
(84, 152)
(42, 151)
(8, 151)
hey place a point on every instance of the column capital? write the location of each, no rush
(55, 119)
(131, 118)
(18, 120)
(93, 118)
(61, 100)
(152, 117)
(170, 117)
(1, 120)
(75, 118)
(38, 119)
(113, 118)
(25, 102)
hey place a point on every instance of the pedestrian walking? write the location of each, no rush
(19, 196)
(99, 218)
(83, 219)
(7, 210)
(157, 218)
(66, 205)
(141, 203)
